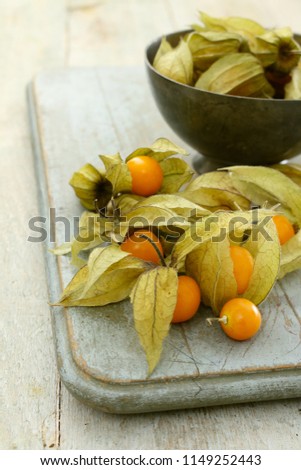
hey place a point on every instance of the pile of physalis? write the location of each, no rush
(224, 240)
(234, 56)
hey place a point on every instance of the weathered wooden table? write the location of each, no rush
(36, 410)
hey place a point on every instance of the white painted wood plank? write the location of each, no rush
(32, 37)
(271, 425)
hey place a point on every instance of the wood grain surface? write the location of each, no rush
(36, 411)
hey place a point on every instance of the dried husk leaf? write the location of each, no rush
(114, 287)
(265, 248)
(73, 290)
(265, 48)
(214, 227)
(120, 275)
(292, 90)
(151, 216)
(177, 64)
(168, 237)
(78, 246)
(110, 160)
(90, 184)
(163, 49)
(117, 173)
(63, 249)
(212, 267)
(212, 179)
(92, 232)
(120, 177)
(126, 202)
(113, 284)
(208, 228)
(215, 198)
(239, 74)
(290, 255)
(278, 188)
(207, 47)
(161, 149)
(215, 189)
(286, 61)
(176, 173)
(274, 48)
(292, 171)
(247, 28)
(154, 298)
(175, 203)
(100, 260)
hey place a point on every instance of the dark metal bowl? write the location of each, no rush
(223, 128)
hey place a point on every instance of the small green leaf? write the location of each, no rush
(154, 298)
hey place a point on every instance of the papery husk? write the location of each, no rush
(292, 170)
(176, 63)
(91, 187)
(209, 46)
(292, 91)
(154, 299)
(165, 47)
(239, 74)
(243, 26)
(274, 48)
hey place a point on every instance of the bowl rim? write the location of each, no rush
(198, 90)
